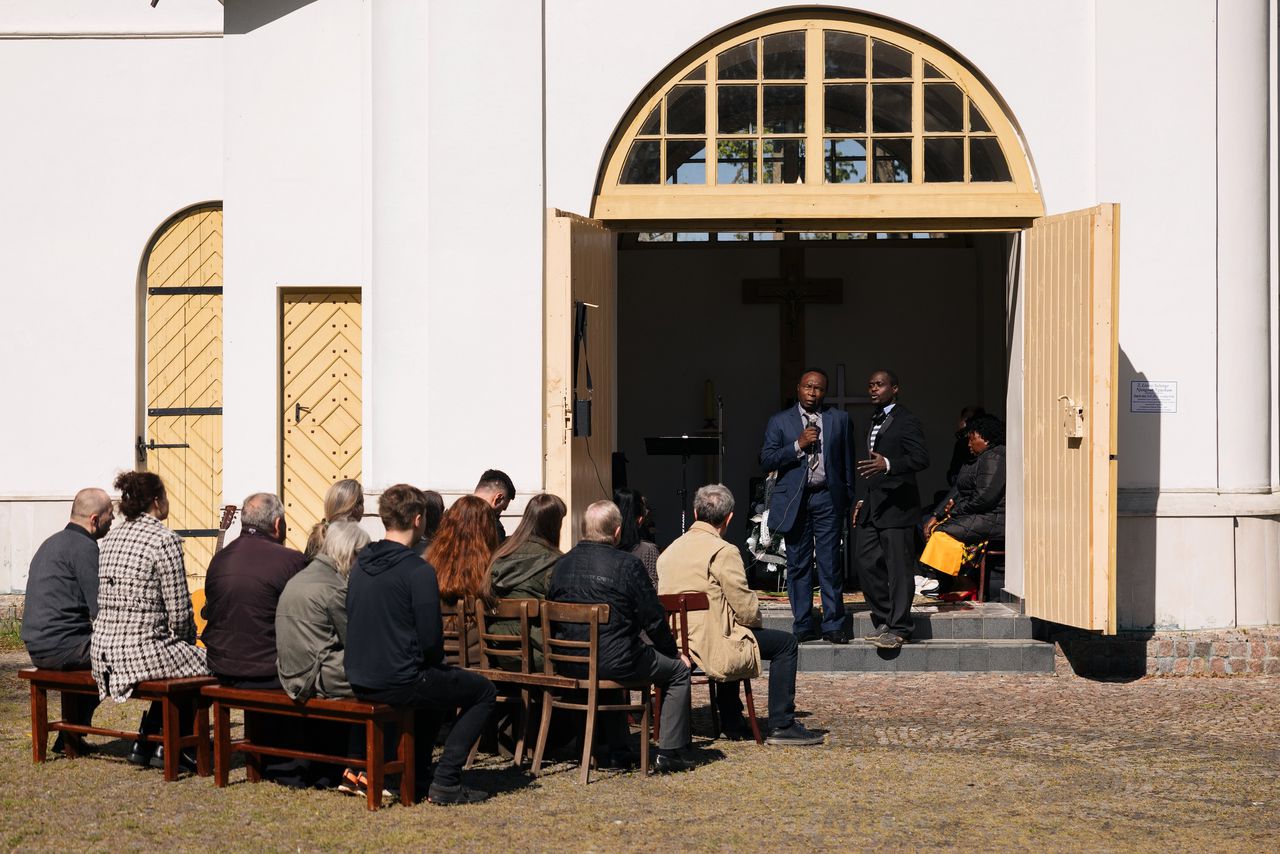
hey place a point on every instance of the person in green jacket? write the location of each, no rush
(522, 565)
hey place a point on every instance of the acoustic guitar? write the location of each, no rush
(228, 516)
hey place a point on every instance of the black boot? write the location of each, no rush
(140, 753)
(186, 759)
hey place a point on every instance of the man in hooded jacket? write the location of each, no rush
(395, 647)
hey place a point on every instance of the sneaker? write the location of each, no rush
(446, 796)
(358, 784)
(669, 763)
(888, 640)
(795, 735)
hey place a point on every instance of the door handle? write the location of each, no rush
(298, 409)
(153, 445)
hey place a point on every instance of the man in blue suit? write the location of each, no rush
(811, 449)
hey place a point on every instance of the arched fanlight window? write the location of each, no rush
(793, 116)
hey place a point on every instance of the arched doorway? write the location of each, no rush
(180, 424)
(841, 163)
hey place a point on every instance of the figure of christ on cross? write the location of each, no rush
(791, 292)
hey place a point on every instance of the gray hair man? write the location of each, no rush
(242, 591)
(700, 561)
(596, 572)
(62, 601)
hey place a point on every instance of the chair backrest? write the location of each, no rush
(559, 650)
(678, 606)
(456, 617)
(495, 648)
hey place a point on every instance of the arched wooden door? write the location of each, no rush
(182, 433)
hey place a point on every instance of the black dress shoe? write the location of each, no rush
(448, 796)
(141, 753)
(186, 759)
(835, 637)
(736, 729)
(666, 763)
(60, 744)
(810, 635)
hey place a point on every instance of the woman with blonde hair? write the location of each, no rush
(460, 554)
(343, 500)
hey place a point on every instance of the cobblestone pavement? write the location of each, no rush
(922, 761)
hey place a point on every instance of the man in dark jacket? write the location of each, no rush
(395, 647)
(242, 589)
(595, 572)
(62, 600)
(888, 511)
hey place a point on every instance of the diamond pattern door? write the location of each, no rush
(182, 441)
(321, 401)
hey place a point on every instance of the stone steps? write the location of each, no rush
(960, 637)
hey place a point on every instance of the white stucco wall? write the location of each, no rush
(106, 138)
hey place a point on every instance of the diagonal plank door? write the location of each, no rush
(1070, 417)
(321, 393)
(183, 428)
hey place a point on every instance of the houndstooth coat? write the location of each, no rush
(144, 628)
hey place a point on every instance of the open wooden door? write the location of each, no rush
(1071, 288)
(581, 268)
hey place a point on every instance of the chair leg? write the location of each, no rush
(202, 739)
(39, 722)
(589, 734)
(982, 577)
(751, 711)
(644, 740)
(543, 728)
(405, 751)
(713, 688)
(170, 738)
(471, 756)
(522, 727)
(221, 744)
(373, 753)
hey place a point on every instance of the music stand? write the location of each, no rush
(682, 447)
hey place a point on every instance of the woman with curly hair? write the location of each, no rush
(461, 552)
(144, 628)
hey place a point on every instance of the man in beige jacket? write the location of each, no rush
(727, 640)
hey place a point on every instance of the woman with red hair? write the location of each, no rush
(460, 553)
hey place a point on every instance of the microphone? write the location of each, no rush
(816, 423)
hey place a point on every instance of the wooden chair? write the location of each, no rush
(514, 683)
(984, 571)
(456, 650)
(168, 692)
(557, 654)
(678, 606)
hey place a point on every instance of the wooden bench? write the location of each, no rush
(170, 693)
(374, 717)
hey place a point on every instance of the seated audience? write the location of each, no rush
(973, 511)
(634, 512)
(522, 566)
(461, 553)
(595, 571)
(62, 600)
(497, 490)
(311, 634)
(960, 452)
(242, 589)
(728, 640)
(144, 628)
(344, 500)
(395, 647)
(435, 511)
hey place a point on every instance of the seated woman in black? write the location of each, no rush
(973, 510)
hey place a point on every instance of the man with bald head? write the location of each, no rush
(595, 571)
(62, 600)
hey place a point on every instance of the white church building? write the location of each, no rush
(266, 244)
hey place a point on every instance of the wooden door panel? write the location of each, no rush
(321, 402)
(1070, 417)
(183, 424)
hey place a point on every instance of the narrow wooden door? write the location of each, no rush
(1070, 417)
(581, 269)
(182, 435)
(320, 394)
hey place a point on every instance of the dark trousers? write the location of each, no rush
(886, 571)
(780, 650)
(76, 708)
(816, 533)
(675, 730)
(437, 694)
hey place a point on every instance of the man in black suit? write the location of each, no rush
(888, 511)
(811, 449)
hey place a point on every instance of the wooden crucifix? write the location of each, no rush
(791, 292)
